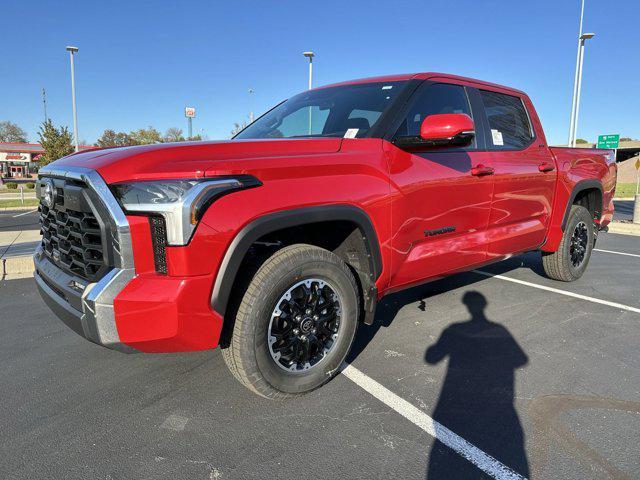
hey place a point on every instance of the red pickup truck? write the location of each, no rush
(276, 244)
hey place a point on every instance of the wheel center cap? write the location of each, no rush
(306, 325)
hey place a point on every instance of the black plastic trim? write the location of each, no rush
(581, 186)
(285, 219)
(65, 312)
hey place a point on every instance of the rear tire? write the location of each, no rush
(570, 261)
(297, 281)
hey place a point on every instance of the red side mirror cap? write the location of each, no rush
(446, 126)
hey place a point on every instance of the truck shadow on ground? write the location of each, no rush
(477, 396)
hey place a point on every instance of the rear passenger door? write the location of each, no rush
(524, 176)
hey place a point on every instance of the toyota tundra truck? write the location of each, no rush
(277, 244)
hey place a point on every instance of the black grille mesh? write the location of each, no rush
(159, 241)
(71, 240)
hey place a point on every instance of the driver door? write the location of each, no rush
(440, 209)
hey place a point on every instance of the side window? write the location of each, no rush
(437, 98)
(508, 121)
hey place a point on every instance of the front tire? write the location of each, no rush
(295, 324)
(570, 261)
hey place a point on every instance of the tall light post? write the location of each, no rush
(251, 105)
(72, 51)
(577, 81)
(584, 37)
(310, 56)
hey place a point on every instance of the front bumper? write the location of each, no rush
(85, 308)
(129, 313)
(130, 308)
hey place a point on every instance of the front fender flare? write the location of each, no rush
(272, 222)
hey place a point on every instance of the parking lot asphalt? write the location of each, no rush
(545, 383)
(623, 210)
(11, 220)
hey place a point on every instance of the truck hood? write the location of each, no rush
(192, 159)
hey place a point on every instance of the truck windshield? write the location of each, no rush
(351, 110)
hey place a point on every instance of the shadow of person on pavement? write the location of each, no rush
(476, 400)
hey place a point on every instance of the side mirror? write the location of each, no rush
(454, 129)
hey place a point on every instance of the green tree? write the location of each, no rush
(195, 138)
(111, 138)
(56, 142)
(238, 127)
(145, 136)
(581, 140)
(10, 132)
(173, 134)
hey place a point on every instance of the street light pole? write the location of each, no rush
(71, 51)
(310, 56)
(251, 105)
(577, 81)
(583, 38)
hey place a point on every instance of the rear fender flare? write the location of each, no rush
(581, 186)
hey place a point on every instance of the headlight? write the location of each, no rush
(181, 202)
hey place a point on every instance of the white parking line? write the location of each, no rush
(480, 459)
(561, 292)
(25, 213)
(617, 253)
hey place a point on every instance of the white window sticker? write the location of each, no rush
(496, 135)
(351, 133)
(387, 87)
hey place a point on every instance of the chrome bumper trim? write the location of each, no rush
(97, 298)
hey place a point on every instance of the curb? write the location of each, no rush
(17, 265)
(624, 228)
(4, 209)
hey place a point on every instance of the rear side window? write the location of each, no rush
(508, 121)
(437, 98)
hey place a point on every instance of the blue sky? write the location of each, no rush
(141, 62)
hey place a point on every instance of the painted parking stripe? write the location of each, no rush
(25, 213)
(617, 253)
(561, 292)
(480, 459)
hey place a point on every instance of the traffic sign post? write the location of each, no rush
(190, 113)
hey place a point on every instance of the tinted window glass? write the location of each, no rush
(298, 121)
(438, 98)
(508, 120)
(327, 112)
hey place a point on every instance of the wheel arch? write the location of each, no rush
(581, 190)
(286, 219)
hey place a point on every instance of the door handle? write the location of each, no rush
(546, 167)
(481, 171)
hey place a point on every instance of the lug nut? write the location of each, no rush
(313, 330)
(303, 338)
(296, 331)
(316, 317)
(308, 311)
(298, 317)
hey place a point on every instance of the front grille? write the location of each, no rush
(71, 237)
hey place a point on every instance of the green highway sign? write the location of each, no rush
(608, 141)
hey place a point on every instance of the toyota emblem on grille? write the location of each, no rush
(48, 193)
